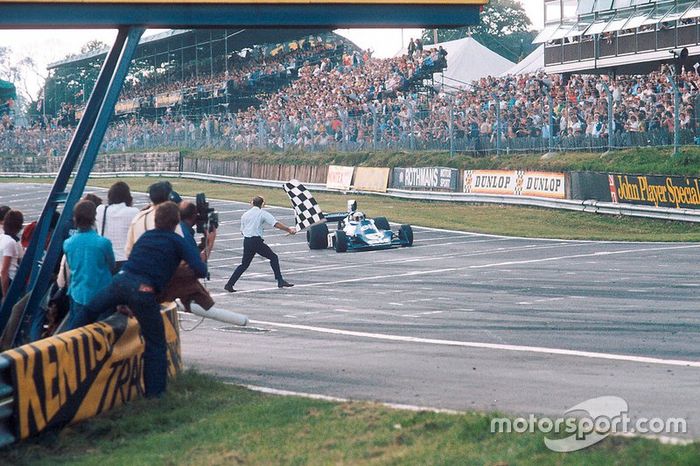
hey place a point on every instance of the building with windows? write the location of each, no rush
(620, 36)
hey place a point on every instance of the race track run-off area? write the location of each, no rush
(459, 321)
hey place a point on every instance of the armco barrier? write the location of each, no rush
(76, 375)
(593, 206)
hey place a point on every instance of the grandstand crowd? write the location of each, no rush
(352, 101)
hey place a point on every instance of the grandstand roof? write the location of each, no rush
(177, 14)
(530, 64)
(468, 60)
(238, 39)
(605, 16)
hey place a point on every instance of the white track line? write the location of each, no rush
(335, 399)
(577, 256)
(481, 345)
(663, 439)
(469, 267)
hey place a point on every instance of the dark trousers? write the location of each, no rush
(251, 247)
(131, 290)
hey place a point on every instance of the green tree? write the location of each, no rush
(503, 28)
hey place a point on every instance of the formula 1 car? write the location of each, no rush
(357, 233)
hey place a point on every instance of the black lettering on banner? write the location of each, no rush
(53, 375)
(77, 374)
(124, 382)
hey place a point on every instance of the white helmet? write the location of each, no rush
(358, 216)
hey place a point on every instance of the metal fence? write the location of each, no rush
(419, 124)
(369, 132)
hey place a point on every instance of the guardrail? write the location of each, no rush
(589, 206)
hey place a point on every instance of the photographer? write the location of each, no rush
(184, 284)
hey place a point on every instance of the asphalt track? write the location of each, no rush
(459, 321)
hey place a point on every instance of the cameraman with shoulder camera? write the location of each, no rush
(184, 284)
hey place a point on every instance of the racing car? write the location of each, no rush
(355, 232)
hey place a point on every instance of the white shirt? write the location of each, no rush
(253, 221)
(144, 221)
(116, 226)
(10, 248)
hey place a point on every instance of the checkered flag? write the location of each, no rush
(306, 209)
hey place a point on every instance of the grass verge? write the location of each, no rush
(202, 421)
(491, 219)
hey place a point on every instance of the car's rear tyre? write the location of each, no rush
(317, 236)
(382, 223)
(406, 235)
(341, 241)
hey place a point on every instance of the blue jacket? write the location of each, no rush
(156, 255)
(90, 259)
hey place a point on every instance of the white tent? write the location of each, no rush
(468, 60)
(530, 64)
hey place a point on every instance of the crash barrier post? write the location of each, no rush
(371, 179)
(76, 375)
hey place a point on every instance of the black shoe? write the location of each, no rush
(284, 284)
(229, 288)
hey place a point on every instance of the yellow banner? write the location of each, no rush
(339, 177)
(168, 99)
(372, 179)
(81, 373)
(126, 106)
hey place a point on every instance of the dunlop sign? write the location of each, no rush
(515, 183)
(81, 373)
(428, 178)
(660, 191)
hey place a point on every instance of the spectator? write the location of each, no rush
(90, 260)
(114, 219)
(145, 220)
(94, 198)
(10, 249)
(3, 211)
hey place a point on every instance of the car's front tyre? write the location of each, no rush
(406, 235)
(317, 236)
(341, 241)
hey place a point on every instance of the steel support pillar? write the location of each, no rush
(36, 270)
